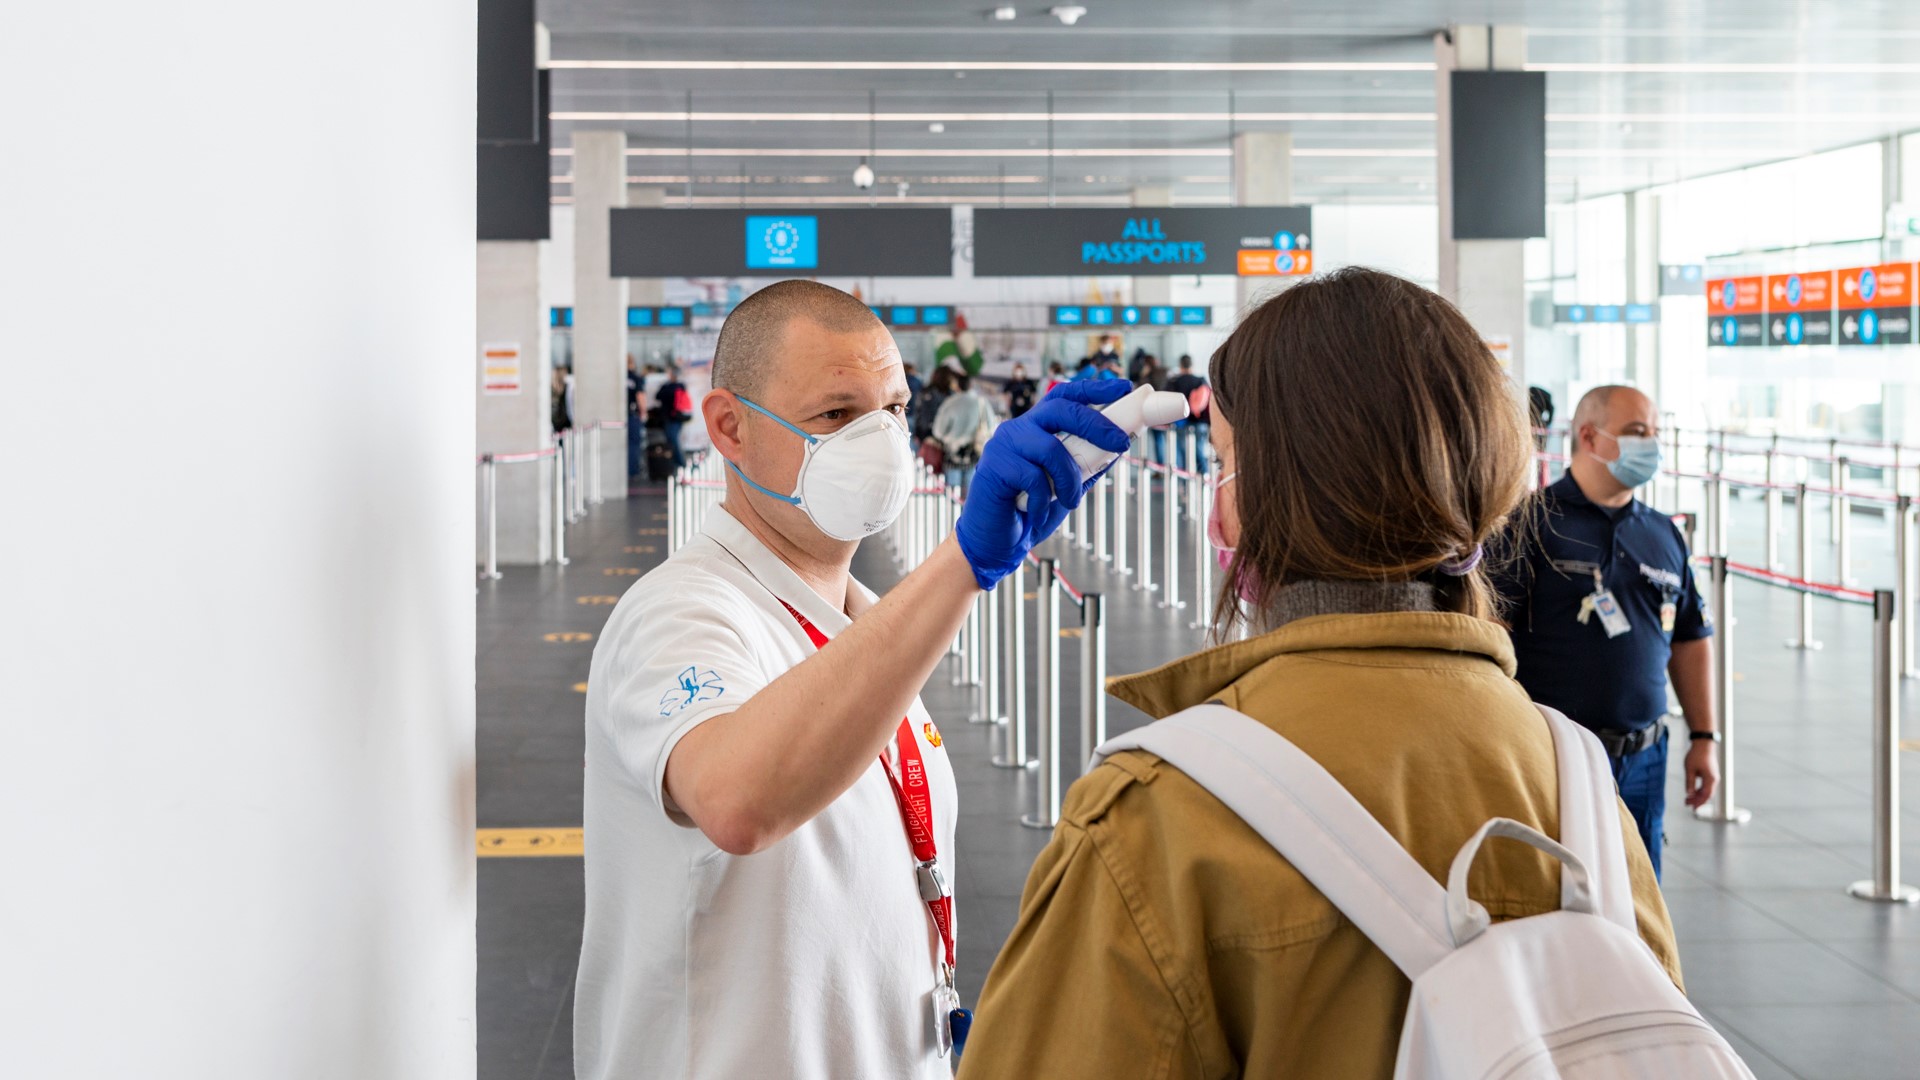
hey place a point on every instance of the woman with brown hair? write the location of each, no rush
(1368, 445)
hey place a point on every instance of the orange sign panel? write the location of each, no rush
(1886, 285)
(1735, 296)
(1800, 292)
(1267, 262)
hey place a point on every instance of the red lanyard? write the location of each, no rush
(916, 813)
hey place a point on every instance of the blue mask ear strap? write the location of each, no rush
(776, 420)
(791, 500)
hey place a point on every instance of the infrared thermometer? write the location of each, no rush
(1144, 408)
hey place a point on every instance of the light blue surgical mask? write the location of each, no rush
(1639, 461)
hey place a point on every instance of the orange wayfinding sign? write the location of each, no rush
(1800, 292)
(1735, 296)
(1266, 262)
(1886, 285)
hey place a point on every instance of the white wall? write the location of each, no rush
(237, 625)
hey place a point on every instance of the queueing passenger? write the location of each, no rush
(962, 427)
(1020, 392)
(676, 408)
(1199, 401)
(769, 810)
(1604, 609)
(1159, 935)
(636, 419)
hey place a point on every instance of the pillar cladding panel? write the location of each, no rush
(599, 298)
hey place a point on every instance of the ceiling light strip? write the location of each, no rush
(1222, 117)
(991, 65)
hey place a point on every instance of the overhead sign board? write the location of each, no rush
(1876, 304)
(1736, 311)
(913, 316)
(655, 242)
(1800, 309)
(1586, 314)
(1243, 241)
(1104, 316)
(673, 318)
(1683, 279)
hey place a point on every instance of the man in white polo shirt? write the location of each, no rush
(769, 809)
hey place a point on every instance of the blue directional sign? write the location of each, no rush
(1099, 316)
(936, 316)
(1196, 316)
(1160, 316)
(1130, 316)
(1606, 313)
(673, 316)
(560, 318)
(1069, 316)
(786, 242)
(1641, 313)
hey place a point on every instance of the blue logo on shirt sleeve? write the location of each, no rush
(693, 685)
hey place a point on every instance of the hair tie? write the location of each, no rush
(1462, 567)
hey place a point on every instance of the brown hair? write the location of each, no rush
(1375, 438)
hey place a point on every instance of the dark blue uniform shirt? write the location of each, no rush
(1604, 683)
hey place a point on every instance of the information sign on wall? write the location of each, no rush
(1800, 308)
(500, 368)
(1735, 311)
(1876, 304)
(1141, 242)
(644, 318)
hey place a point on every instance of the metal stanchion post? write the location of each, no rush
(1904, 578)
(1093, 676)
(1885, 886)
(1716, 515)
(1015, 744)
(1102, 496)
(1143, 532)
(675, 516)
(1772, 513)
(560, 508)
(492, 474)
(1805, 519)
(594, 439)
(1122, 484)
(1046, 809)
(1170, 542)
(1678, 468)
(989, 611)
(1202, 559)
(1723, 809)
(1836, 483)
(1843, 531)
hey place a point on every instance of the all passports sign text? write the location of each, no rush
(1143, 240)
(1235, 240)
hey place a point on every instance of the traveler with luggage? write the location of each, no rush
(1290, 877)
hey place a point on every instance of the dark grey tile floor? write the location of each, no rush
(1805, 981)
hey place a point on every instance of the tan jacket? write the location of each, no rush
(1160, 936)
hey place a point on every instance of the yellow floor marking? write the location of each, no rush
(622, 571)
(528, 843)
(567, 637)
(639, 549)
(659, 517)
(1910, 744)
(579, 688)
(597, 600)
(1071, 631)
(652, 532)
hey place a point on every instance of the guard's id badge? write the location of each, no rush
(1667, 613)
(950, 1021)
(1612, 619)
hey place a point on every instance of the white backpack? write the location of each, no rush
(1573, 993)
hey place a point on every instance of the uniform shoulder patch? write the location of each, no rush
(695, 684)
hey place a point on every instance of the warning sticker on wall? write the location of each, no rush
(500, 368)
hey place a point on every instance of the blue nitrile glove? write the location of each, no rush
(1024, 456)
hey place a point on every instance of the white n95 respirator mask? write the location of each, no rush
(852, 483)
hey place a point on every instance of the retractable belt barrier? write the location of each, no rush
(576, 485)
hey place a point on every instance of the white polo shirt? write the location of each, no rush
(814, 958)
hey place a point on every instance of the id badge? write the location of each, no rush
(1611, 617)
(946, 1002)
(1667, 612)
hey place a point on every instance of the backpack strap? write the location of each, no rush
(1316, 824)
(1590, 821)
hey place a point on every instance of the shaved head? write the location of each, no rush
(750, 339)
(1597, 405)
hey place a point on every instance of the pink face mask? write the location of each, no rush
(1223, 554)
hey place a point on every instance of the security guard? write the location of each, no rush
(1603, 608)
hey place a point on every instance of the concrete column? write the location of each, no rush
(512, 310)
(1643, 287)
(1153, 290)
(1262, 176)
(646, 292)
(1486, 279)
(599, 298)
